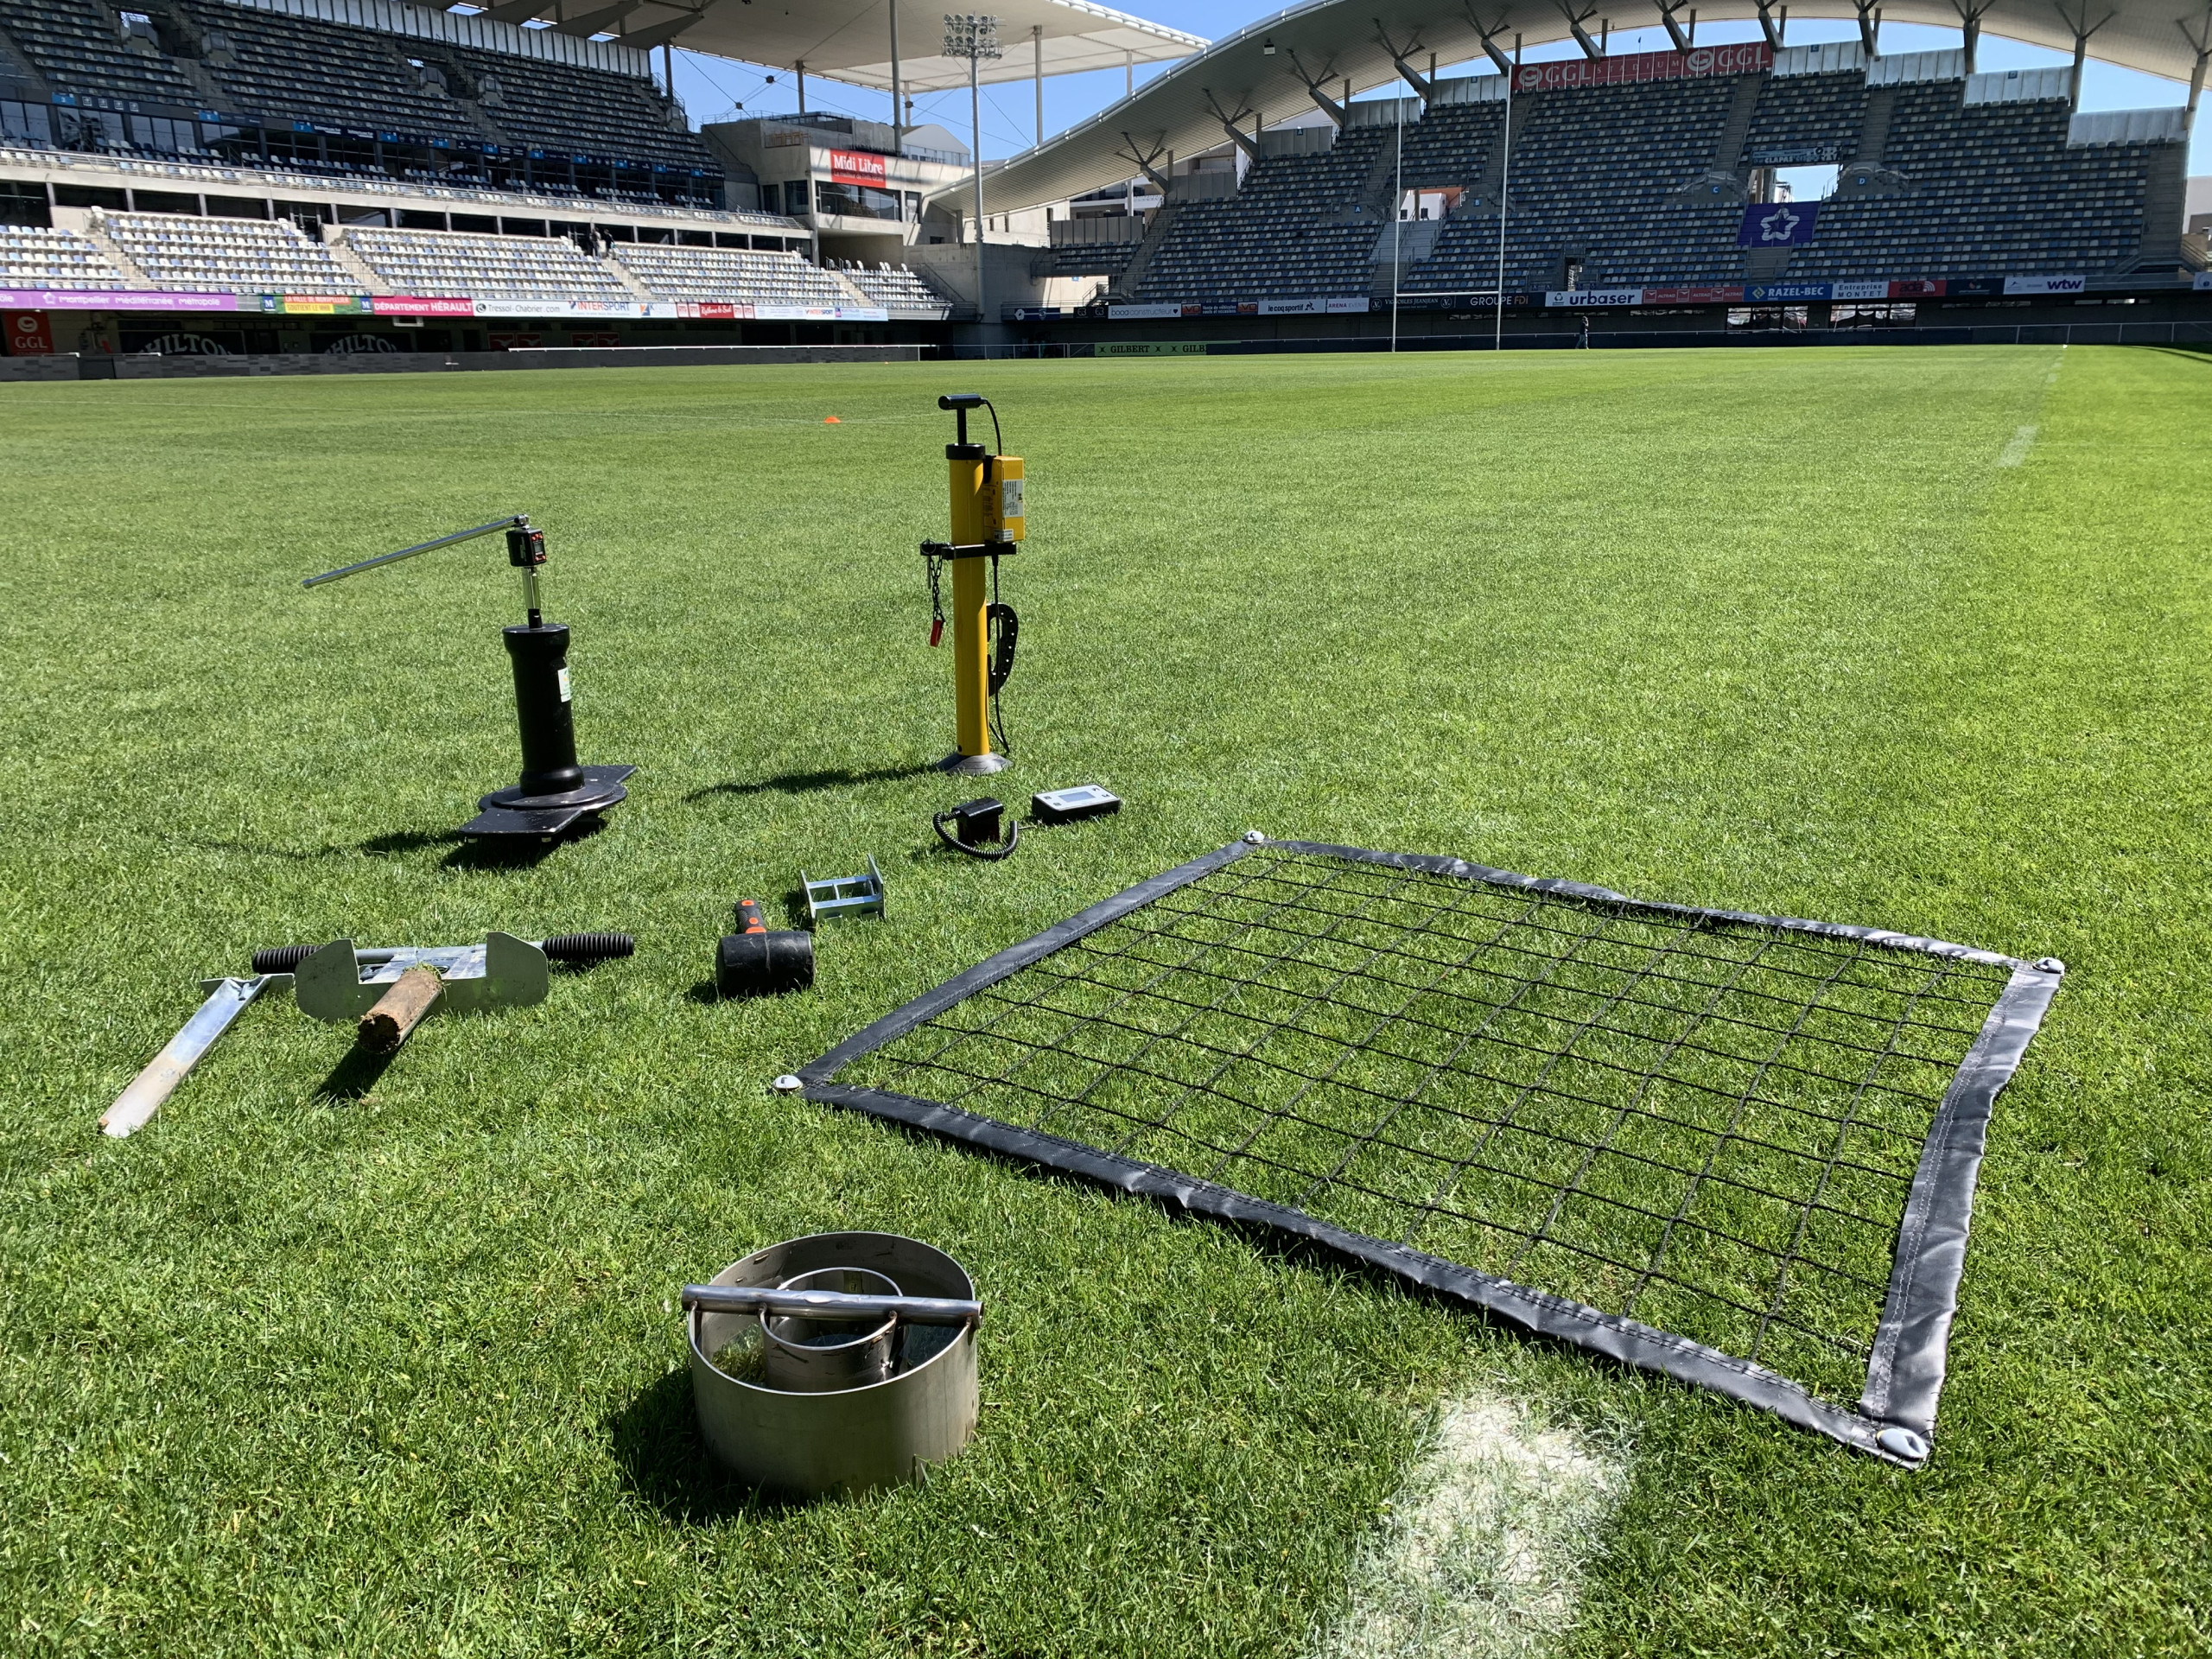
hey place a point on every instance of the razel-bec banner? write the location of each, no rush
(851, 166)
(1777, 224)
(1789, 293)
(1752, 57)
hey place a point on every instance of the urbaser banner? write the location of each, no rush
(1751, 58)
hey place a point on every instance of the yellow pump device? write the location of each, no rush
(988, 523)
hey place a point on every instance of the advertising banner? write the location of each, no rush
(1030, 313)
(1709, 294)
(1147, 313)
(73, 299)
(2202, 283)
(1751, 58)
(2046, 284)
(1787, 293)
(1797, 154)
(849, 167)
(1918, 290)
(1777, 224)
(1585, 298)
(1859, 290)
(316, 305)
(1149, 348)
(1314, 308)
(408, 305)
(28, 335)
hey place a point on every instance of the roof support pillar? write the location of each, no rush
(2201, 44)
(1683, 39)
(1969, 26)
(1336, 112)
(1490, 34)
(1870, 27)
(1147, 159)
(1250, 146)
(1773, 31)
(1591, 50)
(1037, 40)
(898, 132)
(2082, 28)
(1424, 86)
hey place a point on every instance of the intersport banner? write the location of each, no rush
(1751, 58)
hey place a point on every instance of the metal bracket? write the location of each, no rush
(845, 895)
(969, 549)
(338, 984)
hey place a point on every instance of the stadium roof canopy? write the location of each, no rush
(1328, 42)
(850, 39)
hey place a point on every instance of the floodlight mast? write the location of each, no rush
(975, 36)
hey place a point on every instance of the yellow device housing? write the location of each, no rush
(1001, 502)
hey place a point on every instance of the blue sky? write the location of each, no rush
(711, 87)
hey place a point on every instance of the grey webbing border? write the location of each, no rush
(1905, 1374)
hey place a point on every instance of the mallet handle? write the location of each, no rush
(830, 1305)
(400, 1009)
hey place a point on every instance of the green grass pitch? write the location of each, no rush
(329, 1361)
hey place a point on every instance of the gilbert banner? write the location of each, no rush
(1750, 59)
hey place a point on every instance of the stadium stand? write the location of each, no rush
(34, 256)
(732, 275)
(430, 263)
(894, 287)
(1799, 116)
(1995, 188)
(242, 256)
(81, 49)
(1285, 234)
(306, 69)
(208, 77)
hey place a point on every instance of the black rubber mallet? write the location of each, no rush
(754, 961)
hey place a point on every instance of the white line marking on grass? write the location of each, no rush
(2017, 451)
(1483, 1552)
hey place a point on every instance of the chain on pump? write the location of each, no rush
(986, 525)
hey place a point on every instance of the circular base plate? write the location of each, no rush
(974, 766)
(592, 794)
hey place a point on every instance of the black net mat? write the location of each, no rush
(1720, 1146)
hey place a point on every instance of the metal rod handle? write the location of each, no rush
(830, 1305)
(507, 523)
(137, 1104)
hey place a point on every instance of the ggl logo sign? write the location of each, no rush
(28, 335)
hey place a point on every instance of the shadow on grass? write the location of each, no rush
(504, 853)
(354, 1076)
(805, 783)
(657, 1446)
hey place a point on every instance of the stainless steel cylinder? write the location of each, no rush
(847, 1439)
(817, 1355)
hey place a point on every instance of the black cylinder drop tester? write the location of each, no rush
(553, 792)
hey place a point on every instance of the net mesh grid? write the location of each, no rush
(1705, 1123)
